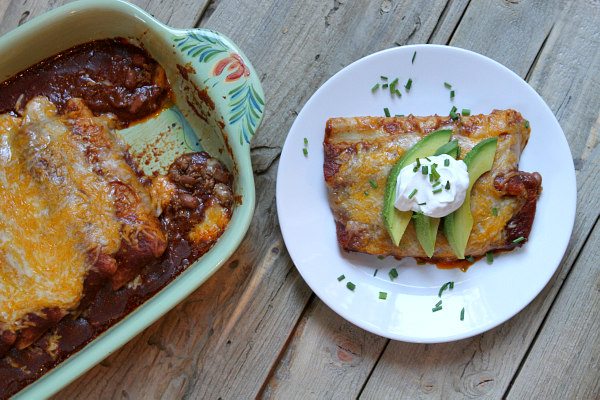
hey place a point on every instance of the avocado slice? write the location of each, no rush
(426, 228)
(450, 148)
(458, 225)
(394, 220)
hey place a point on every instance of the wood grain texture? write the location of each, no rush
(484, 365)
(179, 14)
(327, 358)
(564, 361)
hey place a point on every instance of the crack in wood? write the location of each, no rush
(538, 54)
(458, 23)
(336, 6)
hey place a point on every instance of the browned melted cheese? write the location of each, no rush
(54, 212)
(360, 150)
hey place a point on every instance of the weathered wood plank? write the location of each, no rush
(563, 362)
(326, 358)
(565, 75)
(180, 14)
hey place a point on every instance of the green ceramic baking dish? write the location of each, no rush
(218, 108)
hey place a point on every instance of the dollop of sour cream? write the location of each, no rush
(418, 186)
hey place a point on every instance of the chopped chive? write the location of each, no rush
(366, 193)
(393, 274)
(446, 163)
(397, 93)
(451, 285)
(305, 141)
(375, 273)
(373, 183)
(382, 295)
(418, 163)
(452, 95)
(462, 314)
(413, 58)
(375, 87)
(436, 191)
(393, 84)
(489, 257)
(453, 109)
(386, 111)
(424, 169)
(437, 183)
(447, 85)
(444, 287)
(415, 169)
(439, 303)
(466, 112)
(447, 185)
(470, 259)
(427, 158)
(454, 116)
(526, 124)
(398, 115)
(412, 194)
(519, 240)
(351, 286)
(408, 84)
(305, 151)
(384, 86)
(494, 211)
(436, 309)
(341, 278)
(380, 257)
(384, 78)
(422, 204)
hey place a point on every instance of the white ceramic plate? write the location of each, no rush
(490, 294)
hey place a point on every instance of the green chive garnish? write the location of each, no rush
(519, 240)
(375, 87)
(437, 183)
(494, 211)
(444, 287)
(408, 84)
(384, 78)
(422, 204)
(453, 109)
(466, 112)
(305, 151)
(447, 85)
(462, 314)
(350, 286)
(393, 274)
(454, 116)
(439, 303)
(470, 259)
(418, 162)
(446, 163)
(436, 309)
(341, 278)
(386, 111)
(382, 295)
(436, 191)
(451, 285)
(424, 170)
(452, 95)
(384, 86)
(526, 124)
(366, 193)
(489, 257)
(305, 141)
(375, 273)
(373, 183)
(447, 185)
(413, 58)
(412, 194)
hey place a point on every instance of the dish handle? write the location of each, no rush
(232, 83)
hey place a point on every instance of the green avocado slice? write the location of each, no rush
(458, 225)
(394, 220)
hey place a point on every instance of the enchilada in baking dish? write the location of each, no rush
(360, 153)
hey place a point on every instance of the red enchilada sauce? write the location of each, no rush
(113, 76)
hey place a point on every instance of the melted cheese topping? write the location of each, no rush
(215, 221)
(55, 215)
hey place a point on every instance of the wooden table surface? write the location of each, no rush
(255, 329)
